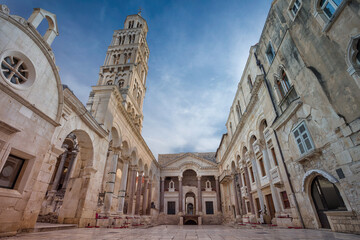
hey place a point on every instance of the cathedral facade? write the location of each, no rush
(290, 156)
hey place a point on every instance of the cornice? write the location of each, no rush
(29, 30)
(253, 100)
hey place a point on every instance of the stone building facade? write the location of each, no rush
(290, 156)
(293, 127)
(61, 161)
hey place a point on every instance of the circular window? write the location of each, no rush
(16, 69)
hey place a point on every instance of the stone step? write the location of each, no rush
(46, 227)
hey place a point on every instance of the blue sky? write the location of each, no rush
(198, 50)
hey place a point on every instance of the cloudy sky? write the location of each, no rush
(198, 49)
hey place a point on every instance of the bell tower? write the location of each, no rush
(126, 66)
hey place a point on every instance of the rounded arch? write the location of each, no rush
(311, 174)
(262, 125)
(249, 136)
(140, 165)
(133, 156)
(115, 137)
(252, 139)
(195, 167)
(233, 167)
(244, 151)
(146, 170)
(125, 148)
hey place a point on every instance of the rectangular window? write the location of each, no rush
(285, 199)
(10, 172)
(270, 53)
(303, 139)
(209, 207)
(262, 168)
(274, 157)
(171, 208)
(252, 174)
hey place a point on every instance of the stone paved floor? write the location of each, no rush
(188, 233)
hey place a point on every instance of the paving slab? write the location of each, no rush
(167, 232)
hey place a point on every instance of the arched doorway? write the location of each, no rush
(326, 197)
(190, 222)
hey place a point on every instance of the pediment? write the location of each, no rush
(189, 159)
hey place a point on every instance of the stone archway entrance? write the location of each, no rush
(190, 203)
(326, 197)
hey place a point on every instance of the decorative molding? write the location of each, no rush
(7, 129)
(189, 155)
(289, 112)
(310, 155)
(326, 175)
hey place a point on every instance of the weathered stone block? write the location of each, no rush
(343, 157)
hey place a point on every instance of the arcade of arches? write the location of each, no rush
(289, 157)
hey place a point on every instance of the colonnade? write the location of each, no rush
(129, 197)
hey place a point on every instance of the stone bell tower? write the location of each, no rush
(126, 66)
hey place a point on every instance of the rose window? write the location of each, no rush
(14, 70)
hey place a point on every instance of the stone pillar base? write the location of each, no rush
(181, 222)
(199, 220)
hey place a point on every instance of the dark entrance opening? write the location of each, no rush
(190, 222)
(326, 197)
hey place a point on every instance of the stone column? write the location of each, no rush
(123, 183)
(162, 194)
(70, 168)
(180, 195)
(110, 184)
(258, 184)
(272, 187)
(237, 209)
(149, 198)
(243, 207)
(248, 186)
(144, 203)
(138, 194)
(131, 191)
(59, 171)
(218, 199)
(199, 196)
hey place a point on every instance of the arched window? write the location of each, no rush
(329, 7)
(283, 84)
(109, 82)
(353, 56)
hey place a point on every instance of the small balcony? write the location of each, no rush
(276, 177)
(225, 176)
(290, 96)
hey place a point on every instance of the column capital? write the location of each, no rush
(162, 179)
(198, 178)
(116, 150)
(180, 178)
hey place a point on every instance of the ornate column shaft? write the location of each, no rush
(138, 193)
(180, 195)
(123, 183)
(162, 194)
(59, 171)
(248, 186)
(237, 208)
(218, 200)
(243, 207)
(149, 198)
(131, 191)
(144, 202)
(110, 184)
(70, 168)
(199, 195)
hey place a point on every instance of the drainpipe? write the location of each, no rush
(261, 67)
